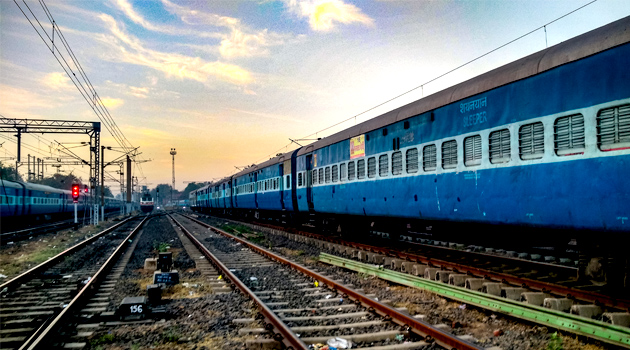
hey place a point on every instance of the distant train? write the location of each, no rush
(146, 203)
(543, 142)
(22, 202)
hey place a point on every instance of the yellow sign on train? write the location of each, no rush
(357, 147)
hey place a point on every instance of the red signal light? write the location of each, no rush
(85, 189)
(75, 193)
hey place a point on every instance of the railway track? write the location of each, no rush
(304, 307)
(35, 302)
(34, 231)
(572, 306)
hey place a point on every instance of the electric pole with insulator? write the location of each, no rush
(173, 153)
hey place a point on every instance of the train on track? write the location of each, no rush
(535, 152)
(146, 202)
(23, 204)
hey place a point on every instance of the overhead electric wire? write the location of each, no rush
(452, 70)
(89, 94)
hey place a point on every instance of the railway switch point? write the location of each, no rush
(458, 280)
(150, 264)
(617, 318)
(589, 311)
(562, 304)
(418, 269)
(534, 298)
(430, 273)
(512, 293)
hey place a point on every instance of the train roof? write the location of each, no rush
(590, 43)
(275, 160)
(31, 186)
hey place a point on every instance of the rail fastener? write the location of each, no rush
(616, 335)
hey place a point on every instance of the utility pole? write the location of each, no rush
(173, 153)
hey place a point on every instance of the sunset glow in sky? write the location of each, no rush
(227, 83)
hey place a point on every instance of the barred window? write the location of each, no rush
(449, 154)
(371, 167)
(321, 176)
(499, 143)
(361, 169)
(342, 171)
(472, 150)
(383, 165)
(300, 180)
(568, 135)
(429, 158)
(531, 139)
(613, 128)
(397, 163)
(412, 160)
(335, 173)
(327, 174)
(314, 176)
(351, 171)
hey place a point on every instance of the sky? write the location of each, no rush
(228, 83)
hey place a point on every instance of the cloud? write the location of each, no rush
(322, 14)
(236, 39)
(141, 92)
(112, 103)
(57, 81)
(130, 50)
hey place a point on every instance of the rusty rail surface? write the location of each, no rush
(284, 335)
(569, 292)
(414, 325)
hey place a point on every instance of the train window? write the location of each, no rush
(342, 172)
(327, 174)
(314, 176)
(397, 163)
(371, 167)
(449, 154)
(499, 144)
(613, 128)
(361, 169)
(531, 138)
(383, 165)
(472, 150)
(412, 160)
(429, 158)
(335, 173)
(321, 176)
(300, 180)
(288, 186)
(568, 135)
(406, 125)
(351, 171)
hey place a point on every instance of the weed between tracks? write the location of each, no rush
(21, 256)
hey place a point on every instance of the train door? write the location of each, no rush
(256, 189)
(234, 194)
(281, 187)
(309, 181)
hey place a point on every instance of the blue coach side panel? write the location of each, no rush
(269, 186)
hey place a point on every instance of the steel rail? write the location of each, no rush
(569, 292)
(416, 326)
(40, 340)
(284, 335)
(17, 280)
(616, 335)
